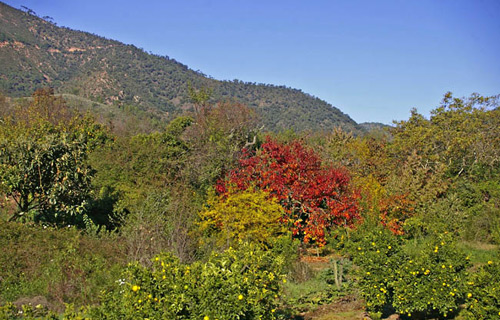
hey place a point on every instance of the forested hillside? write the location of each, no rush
(35, 53)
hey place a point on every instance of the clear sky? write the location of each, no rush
(374, 60)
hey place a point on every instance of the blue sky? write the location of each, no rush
(374, 60)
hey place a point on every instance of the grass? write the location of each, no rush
(480, 253)
(56, 265)
(312, 284)
(355, 314)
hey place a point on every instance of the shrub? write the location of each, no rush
(247, 215)
(483, 293)
(377, 253)
(236, 284)
(429, 280)
(9, 311)
(432, 280)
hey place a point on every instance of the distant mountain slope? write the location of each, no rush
(370, 126)
(36, 53)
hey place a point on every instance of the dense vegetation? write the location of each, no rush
(34, 53)
(128, 193)
(212, 218)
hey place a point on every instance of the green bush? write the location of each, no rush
(483, 293)
(236, 284)
(426, 278)
(29, 312)
(432, 280)
(377, 253)
(481, 203)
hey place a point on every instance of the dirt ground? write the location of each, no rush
(346, 308)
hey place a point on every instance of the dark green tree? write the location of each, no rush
(43, 160)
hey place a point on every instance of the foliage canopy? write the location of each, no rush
(43, 167)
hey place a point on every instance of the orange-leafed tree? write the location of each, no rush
(315, 198)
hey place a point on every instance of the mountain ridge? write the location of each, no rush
(34, 53)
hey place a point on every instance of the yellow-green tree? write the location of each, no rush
(248, 215)
(461, 134)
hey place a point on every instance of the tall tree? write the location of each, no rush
(315, 198)
(462, 134)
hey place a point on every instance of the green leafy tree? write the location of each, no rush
(131, 168)
(461, 134)
(43, 167)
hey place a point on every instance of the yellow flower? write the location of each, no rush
(135, 288)
(490, 262)
(206, 318)
(240, 297)
(389, 247)
(469, 295)
(284, 280)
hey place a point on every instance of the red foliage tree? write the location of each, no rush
(315, 198)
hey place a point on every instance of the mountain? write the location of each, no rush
(371, 126)
(35, 53)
